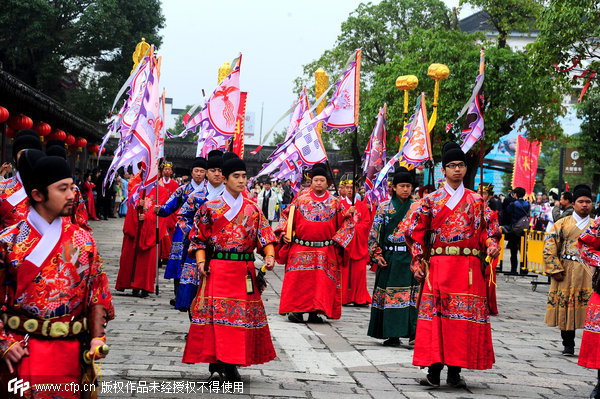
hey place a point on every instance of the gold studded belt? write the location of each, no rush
(451, 251)
(45, 328)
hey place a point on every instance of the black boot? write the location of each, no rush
(454, 379)
(216, 371)
(296, 317)
(432, 379)
(231, 373)
(313, 317)
(393, 341)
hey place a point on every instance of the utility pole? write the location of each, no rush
(560, 171)
(262, 110)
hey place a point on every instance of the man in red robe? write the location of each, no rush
(14, 204)
(170, 186)
(313, 283)
(452, 231)
(229, 323)
(137, 267)
(589, 354)
(56, 300)
(356, 254)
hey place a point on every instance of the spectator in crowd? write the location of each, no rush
(267, 200)
(288, 195)
(564, 208)
(518, 214)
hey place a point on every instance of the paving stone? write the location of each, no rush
(336, 359)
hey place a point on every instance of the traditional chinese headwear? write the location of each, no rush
(166, 164)
(46, 171)
(319, 169)
(214, 160)
(581, 190)
(452, 152)
(199, 163)
(57, 150)
(402, 175)
(24, 140)
(26, 163)
(232, 164)
(489, 187)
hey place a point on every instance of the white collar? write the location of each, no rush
(15, 198)
(195, 186)
(321, 196)
(235, 204)
(455, 195)
(50, 233)
(214, 192)
(166, 181)
(581, 222)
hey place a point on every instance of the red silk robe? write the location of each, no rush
(454, 324)
(144, 275)
(312, 281)
(231, 326)
(14, 204)
(356, 256)
(589, 354)
(60, 279)
(167, 238)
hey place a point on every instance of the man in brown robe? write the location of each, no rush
(571, 286)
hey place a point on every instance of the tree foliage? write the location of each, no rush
(568, 29)
(58, 47)
(514, 91)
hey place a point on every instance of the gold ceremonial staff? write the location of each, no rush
(405, 83)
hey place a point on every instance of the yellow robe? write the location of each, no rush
(567, 299)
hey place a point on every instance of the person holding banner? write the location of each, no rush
(451, 232)
(184, 219)
(56, 297)
(356, 254)
(13, 199)
(137, 265)
(189, 280)
(229, 323)
(394, 312)
(571, 286)
(312, 282)
(171, 185)
(589, 355)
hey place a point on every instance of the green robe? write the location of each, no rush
(393, 312)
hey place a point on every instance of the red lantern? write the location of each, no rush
(10, 133)
(80, 142)
(69, 140)
(43, 129)
(103, 150)
(20, 122)
(336, 171)
(3, 114)
(93, 149)
(58, 134)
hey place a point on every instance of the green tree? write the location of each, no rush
(179, 126)
(514, 91)
(58, 47)
(568, 29)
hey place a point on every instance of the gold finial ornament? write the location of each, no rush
(437, 72)
(406, 83)
(223, 71)
(321, 83)
(140, 51)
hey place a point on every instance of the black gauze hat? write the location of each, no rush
(581, 190)
(26, 163)
(233, 165)
(402, 175)
(48, 170)
(24, 140)
(199, 162)
(214, 160)
(57, 151)
(319, 169)
(451, 152)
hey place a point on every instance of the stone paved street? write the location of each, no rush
(335, 359)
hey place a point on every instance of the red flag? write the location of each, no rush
(238, 134)
(526, 163)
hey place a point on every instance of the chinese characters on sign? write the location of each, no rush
(573, 162)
